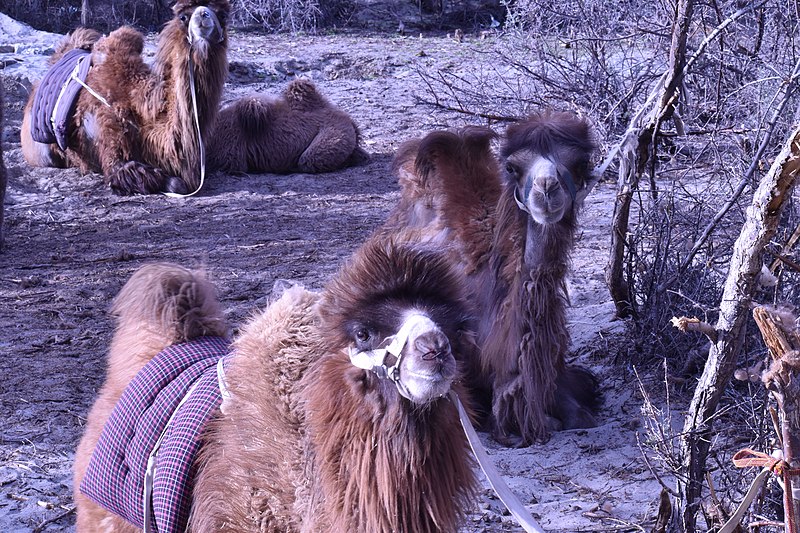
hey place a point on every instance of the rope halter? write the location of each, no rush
(565, 178)
(375, 360)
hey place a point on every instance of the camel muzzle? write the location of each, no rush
(417, 328)
(205, 25)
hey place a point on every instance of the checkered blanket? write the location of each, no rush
(55, 98)
(115, 476)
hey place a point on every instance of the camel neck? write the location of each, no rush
(547, 247)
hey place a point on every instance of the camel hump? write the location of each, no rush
(301, 94)
(254, 115)
(82, 38)
(122, 41)
(179, 303)
(458, 159)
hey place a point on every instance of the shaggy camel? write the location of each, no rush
(300, 131)
(161, 306)
(319, 435)
(141, 126)
(335, 415)
(3, 177)
(510, 231)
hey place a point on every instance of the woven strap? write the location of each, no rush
(747, 458)
(508, 498)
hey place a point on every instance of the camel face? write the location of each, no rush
(544, 189)
(204, 25)
(426, 366)
(408, 348)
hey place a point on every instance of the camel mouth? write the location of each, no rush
(424, 388)
(426, 379)
(547, 213)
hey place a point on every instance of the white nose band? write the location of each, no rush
(374, 360)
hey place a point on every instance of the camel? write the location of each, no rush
(162, 306)
(3, 177)
(334, 415)
(143, 127)
(299, 131)
(509, 226)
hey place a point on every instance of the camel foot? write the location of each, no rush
(176, 185)
(133, 177)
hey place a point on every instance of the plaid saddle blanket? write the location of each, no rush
(164, 407)
(55, 98)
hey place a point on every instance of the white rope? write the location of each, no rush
(193, 91)
(83, 84)
(150, 472)
(508, 498)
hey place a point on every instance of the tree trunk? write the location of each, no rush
(86, 12)
(760, 225)
(635, 152)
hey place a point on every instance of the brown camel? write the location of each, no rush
(300, 131)
(138, 125)
(160, 306)
(335, 415)
(510, 232)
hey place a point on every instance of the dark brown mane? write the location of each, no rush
(399, 454)
(385, 271)
(550, 134)
(405, 469)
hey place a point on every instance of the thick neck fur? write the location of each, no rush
(383, 464)
(172, 93)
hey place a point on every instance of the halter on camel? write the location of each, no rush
(564, 178)
(375, 361)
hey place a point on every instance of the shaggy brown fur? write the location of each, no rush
(514, 266)
(310, 442)
(147, 140)
(161, 304)
(3, 177)
(300, 131)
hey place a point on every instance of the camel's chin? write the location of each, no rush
(545, 216)
(423, 389)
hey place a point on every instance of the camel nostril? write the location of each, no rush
(432, 346)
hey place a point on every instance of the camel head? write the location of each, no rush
(395, 311)
(204, 21)
(547, 164)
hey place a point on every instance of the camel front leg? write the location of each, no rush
(121, 159)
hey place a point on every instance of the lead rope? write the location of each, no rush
(193, 92)
(74, 77)
(505, 494)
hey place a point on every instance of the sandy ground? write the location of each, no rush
(71, 244)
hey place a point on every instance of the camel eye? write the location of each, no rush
(184, 18)
(510, 169)
(362, 335)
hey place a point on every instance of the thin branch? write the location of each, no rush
(789, 87)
